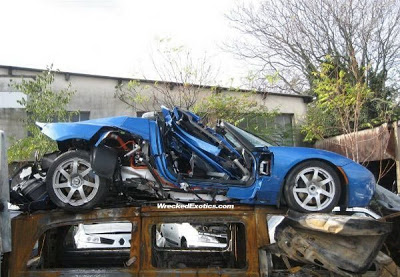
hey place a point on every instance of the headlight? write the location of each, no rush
(93, 239)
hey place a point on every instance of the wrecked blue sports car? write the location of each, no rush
(173, 155)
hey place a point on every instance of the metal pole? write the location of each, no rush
(5, 223)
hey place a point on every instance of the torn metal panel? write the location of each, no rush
(387, 199)
(342, 244)
(338, 224)
(385, 266)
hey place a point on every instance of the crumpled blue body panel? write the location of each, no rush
(87, 129)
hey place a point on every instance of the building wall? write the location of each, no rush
(11, 122)
(95, 94)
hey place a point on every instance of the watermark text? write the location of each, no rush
(194, 206)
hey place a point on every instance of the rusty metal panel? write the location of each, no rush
(241, 214)
(28, 228)
(373, 144)
(5, 225)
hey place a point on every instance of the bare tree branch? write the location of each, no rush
(292, 37)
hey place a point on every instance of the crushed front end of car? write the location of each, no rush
(346, 245)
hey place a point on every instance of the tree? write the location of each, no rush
(181, 77)
(236, 108)
(41, 104)
(291, 38)
(185, 82)
(341, 107)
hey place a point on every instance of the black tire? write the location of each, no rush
(312, 186)
(71, 183)
(184, 243)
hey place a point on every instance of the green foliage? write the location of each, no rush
(41, 104)
(133, 94)
(240, 109)
(340, 107)
(319, 123)
(231, 108)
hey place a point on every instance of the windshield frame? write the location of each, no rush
(244, 137)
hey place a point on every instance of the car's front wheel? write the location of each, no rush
(312, 186)
(72, 184)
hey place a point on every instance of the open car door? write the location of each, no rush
(197, 153)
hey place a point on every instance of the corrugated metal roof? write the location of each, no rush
(366, 145)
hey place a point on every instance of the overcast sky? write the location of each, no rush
(112, 37)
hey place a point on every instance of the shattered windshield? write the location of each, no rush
(250, 138)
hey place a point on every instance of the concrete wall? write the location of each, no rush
(11, 121)
(96, 95)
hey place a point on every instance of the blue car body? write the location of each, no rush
(359, 182)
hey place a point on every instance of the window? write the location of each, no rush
(10, 99)
(198, 245)
(79, 116)
(95, 245)
(277, 130)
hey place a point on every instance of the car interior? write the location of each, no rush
(217, 161)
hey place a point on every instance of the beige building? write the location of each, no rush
(94, 98)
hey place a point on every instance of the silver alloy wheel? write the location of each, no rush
(74, 182)
(314, 189)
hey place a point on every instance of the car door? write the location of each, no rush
(198, 148)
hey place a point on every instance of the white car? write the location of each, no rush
(185, 235)
(103, 235)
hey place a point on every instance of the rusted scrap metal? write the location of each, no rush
(338, 224)
(387, 199)
(27, 229)
(342, 244)
(385, 266)
(372, 145)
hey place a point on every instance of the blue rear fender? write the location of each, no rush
(86, 130)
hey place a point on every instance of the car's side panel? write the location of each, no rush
(361, 186)
(268, 188)
(290, 156)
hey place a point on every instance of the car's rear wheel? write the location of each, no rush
(72, 184)
(312, 186)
